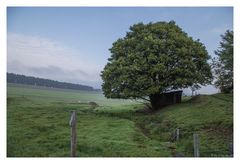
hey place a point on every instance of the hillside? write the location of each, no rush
(211, 117)
(29, 80)
(37, 125)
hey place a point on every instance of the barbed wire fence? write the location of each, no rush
(199, 151)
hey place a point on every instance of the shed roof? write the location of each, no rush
(176, 91)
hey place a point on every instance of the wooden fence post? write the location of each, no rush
(72, 124)
(196, 145)
(177, 134)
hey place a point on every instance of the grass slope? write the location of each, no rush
(37, 125)
(209, 116)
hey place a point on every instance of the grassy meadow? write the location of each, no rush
(38, 125)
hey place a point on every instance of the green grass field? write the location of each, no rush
(37, 125)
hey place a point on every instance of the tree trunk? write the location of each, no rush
(155, 100)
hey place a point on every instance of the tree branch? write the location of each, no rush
(145, 99)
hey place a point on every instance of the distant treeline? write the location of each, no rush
(29, 80)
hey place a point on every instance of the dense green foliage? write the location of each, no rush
(152, 59)
(29, 80)
(37, 125)
(223, 64)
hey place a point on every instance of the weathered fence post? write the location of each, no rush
(72, 124)
(177, 134)
(196, 145)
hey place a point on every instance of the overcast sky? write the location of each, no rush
(71, 44)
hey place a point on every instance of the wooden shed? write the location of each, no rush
(171, 97)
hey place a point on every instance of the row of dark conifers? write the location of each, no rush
(29, 80)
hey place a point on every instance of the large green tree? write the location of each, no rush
(223, 64)
(154, 58)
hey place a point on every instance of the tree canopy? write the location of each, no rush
(154, 58)
(223, 64)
